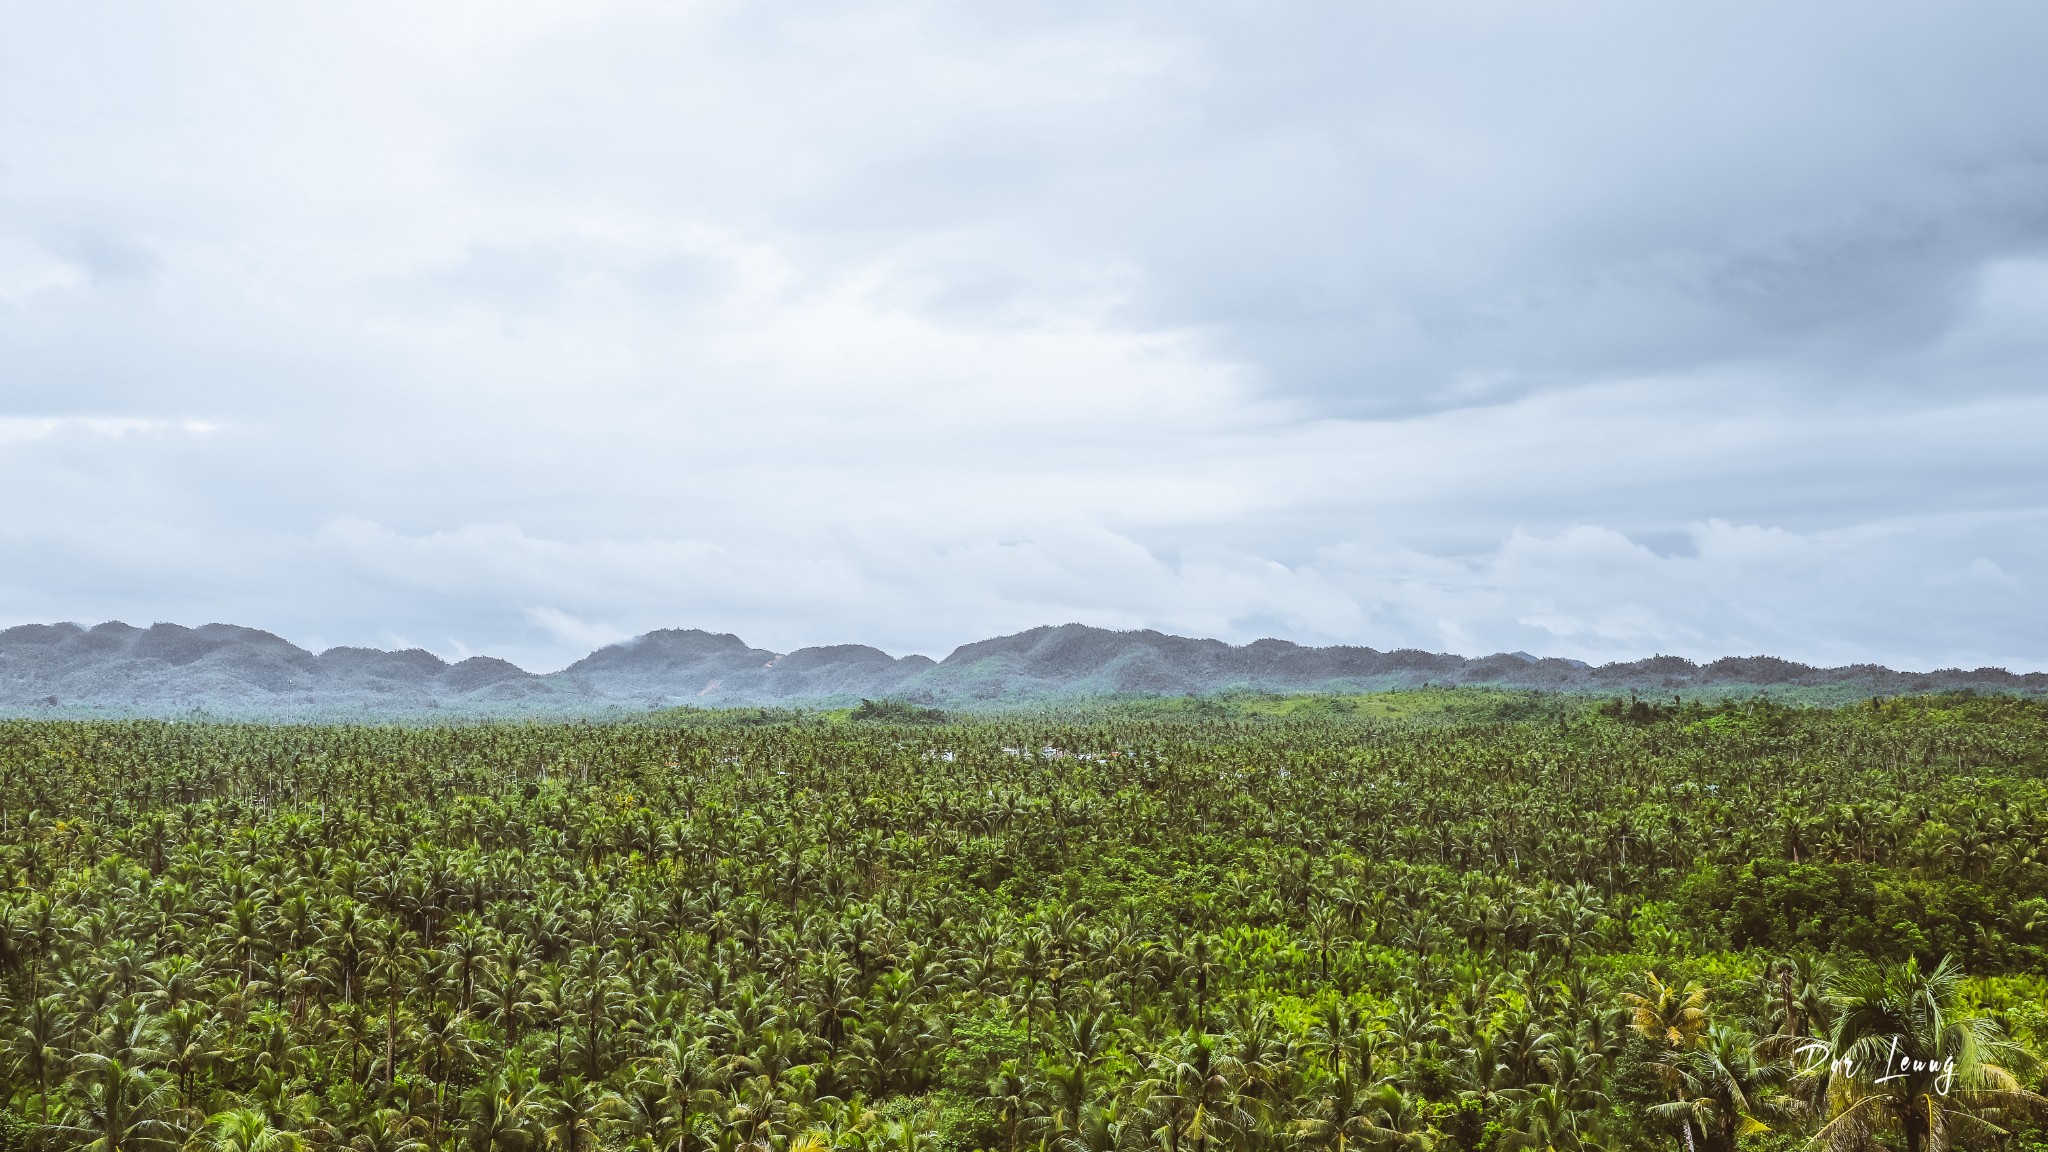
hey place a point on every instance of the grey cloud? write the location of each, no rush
(1669, 197)
(1588, 329)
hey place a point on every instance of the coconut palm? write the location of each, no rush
(1192, 1092)
(574, 1114)
(1673, 1020)
(249, 1130)
(1353, 1112)
(1009, 1096)
(1543, 1120)
(1906, 1058)
(1727, 1089)
(36, 1047)
(501, 1114)
(117, 1108)
(388, 1130)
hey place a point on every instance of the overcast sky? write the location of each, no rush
(1585, 329)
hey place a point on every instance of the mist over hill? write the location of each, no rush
(230, 671)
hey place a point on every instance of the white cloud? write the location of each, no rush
(569, 631)
(1466, 326)
(15, 428)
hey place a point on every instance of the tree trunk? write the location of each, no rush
(391, 1040)
(1793, 1025)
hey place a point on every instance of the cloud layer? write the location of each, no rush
(1594, 331)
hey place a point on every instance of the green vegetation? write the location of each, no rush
(1450, 921)
(1412, 706)
(896, 712)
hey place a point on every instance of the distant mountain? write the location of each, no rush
(225, 670)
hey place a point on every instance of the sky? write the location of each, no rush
(1583, 329)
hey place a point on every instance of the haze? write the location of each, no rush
(1590, 330)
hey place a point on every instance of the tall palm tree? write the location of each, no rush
(1010, 1096)
(1352, 1111)
(117, 1108)
(689, 1081)
(249, 1130)
(37, 1046)
(189, 1047)
(1668, 1016)
(392, 961)
(1106, 1127)
(498, 1114)
(388, 1130)
(574, 1113)
(1799, 1005)
(1726, 1088)
(1906, 1058)
(446, 1048)
(1543, 1121)
(506, 996)
(647, 1123)
(1672, 1019)
(1192, 1091)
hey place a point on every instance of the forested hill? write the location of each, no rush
(223, 669)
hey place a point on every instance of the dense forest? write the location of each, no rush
(1616, 927)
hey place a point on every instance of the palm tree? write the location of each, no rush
(388, 1130)
(1668, 1016)
(506, 996)
(1673, 1020)
(1032, 963)
(188, 1046)
(1104, 1127)
(1544, 1121)
(647, 1123)
(1906, 1058)
(1010, 1096)
(446, 1048)
(689, 1082)
(573, 1113)
(119, 1109)
(1325, 923)
(1799, 1005)
(1202, 964)
(1726, 1087)
(249, 1130)
(285, 1109)
(1346, 1036)
(499, 1112)
(1352, 1110)
(599, 992)
(1192, 1092)
(36, 1049)
(391, 960)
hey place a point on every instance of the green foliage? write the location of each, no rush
(17, 1132)
(1432, 919)
(1780, 905)
(897, 712)
(1459, 706)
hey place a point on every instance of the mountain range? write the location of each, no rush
(116, 669)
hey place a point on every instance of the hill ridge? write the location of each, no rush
(230, 670)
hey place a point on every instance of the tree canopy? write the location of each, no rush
(1637, 927)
